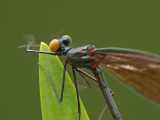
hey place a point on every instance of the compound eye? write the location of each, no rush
(54, 45)
(66, 40)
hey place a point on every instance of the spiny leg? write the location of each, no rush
(86, 81)
(64, 73)
(82, 74)
(87, 75)
(51, 82)
(94, 79)
(75, 80)
(44, 52)
(36, 51)
(60, 100)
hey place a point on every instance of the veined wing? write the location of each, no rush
(141, 70)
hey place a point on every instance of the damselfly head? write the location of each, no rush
(59, 44)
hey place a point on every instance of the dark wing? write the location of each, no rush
(139, 69)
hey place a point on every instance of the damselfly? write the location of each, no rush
(141, 70)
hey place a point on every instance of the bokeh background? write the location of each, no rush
(104, 23)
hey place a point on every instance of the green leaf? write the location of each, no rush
(50, 106)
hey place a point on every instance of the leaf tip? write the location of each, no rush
(43, 45)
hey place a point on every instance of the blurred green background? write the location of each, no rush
(103, 23)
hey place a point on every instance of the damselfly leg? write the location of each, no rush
(50, 82)
(75, 80)
(82, 74)
(102, 113)
(44, 52)
(61, 98)
(88, 86)
(87, 75)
